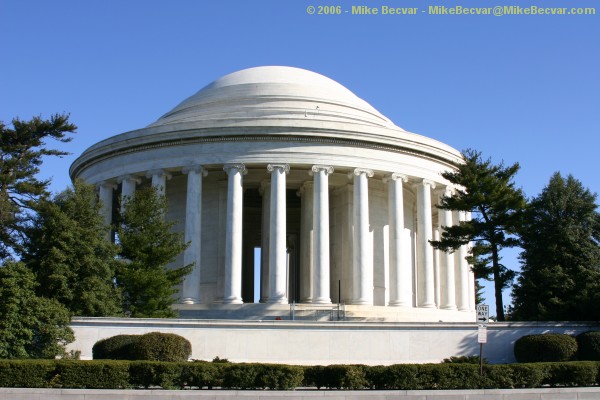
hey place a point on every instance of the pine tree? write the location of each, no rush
(148, 246)
(488, 191)
(560, 278)
(68, 251)
(30, 326)
(22, 149)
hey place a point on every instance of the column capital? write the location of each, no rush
(360, 171)
(395, 176)
(199, 169)
(159, 172)
(107, 184)
(328, 169)
(423, 182)
(283, 167)
(446, 190)
(122, 178)
(238, 167)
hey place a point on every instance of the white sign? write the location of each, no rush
(482, 334)
(483, 313)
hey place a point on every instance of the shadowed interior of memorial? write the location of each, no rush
(339, 200)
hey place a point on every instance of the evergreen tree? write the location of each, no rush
(560, 278)
(68, 251)
(30, 326)
(22, 149)
(148, 246)
(488, 191)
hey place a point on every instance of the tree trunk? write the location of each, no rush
(497, 283)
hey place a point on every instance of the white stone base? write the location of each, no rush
(304, 311)
(322, 343)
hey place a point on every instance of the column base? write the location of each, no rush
(400, 304)
(448, 307)
(190, 300)
(427, 305)
(282, 300)
(323, 300)
(361, 302)
(232, 301)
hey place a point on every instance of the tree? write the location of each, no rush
(67, 250)
(560, 277)
(30, 326)
(148, 246)
(22, 149)
(488, 191)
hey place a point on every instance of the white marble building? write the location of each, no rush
(340, 200)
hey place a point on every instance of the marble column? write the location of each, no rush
(159, 180)
(462, 273)
(306, 241)
(233, 234)
(448, 300)
(425, 267)
(277, 241)
(105, 196)
(128, 183)
(265, 191)
(320, 250)
(106, 199)
(190, 293)
(436, 268)
(400, 270)
(362, 271)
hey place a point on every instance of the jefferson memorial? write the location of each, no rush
(281, 162)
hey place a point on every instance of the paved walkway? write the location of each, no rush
(496, 394)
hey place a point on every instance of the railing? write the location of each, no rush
(315, 312)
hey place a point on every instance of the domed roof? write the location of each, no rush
(274, 93)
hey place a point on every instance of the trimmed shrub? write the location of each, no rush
(118, 347)
(92, 374)
(571, 374)
(449, 376)
(314, 376)
(146, 374)
(201, 374)
(528, 375)
(548, 347)
(497, 377)
(376, 377)
(401, 377)
(241, 376)
(346, 376)
(26, 373)
(588, 346)
(280, 377)
(156, 346)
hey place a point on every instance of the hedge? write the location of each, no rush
(588, 344)
(113, 374)
(548, 347)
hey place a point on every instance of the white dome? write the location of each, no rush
(275, 93)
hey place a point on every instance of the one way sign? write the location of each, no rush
(483, 313)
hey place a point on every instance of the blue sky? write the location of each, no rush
(519, 88)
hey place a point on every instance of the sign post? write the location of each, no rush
(483, 317)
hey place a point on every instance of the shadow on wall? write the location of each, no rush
(501, 338)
